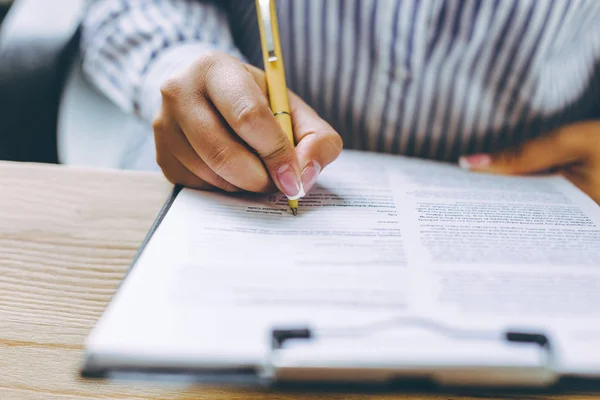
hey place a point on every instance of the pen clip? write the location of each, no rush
(265, 11)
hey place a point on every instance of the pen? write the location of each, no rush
(274, 71)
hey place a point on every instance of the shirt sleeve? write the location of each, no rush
(130, 47)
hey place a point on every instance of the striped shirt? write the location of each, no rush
(426, 78)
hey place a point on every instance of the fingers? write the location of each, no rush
(240, 100)
(169, 137)
(561, 147)
(318, 144)
(209, 137)
(177, 173)
(227, 156)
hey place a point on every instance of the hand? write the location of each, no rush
(215, 130)
(573, 151)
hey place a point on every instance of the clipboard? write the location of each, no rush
(401, 349)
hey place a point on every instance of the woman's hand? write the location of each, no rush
(573, 151)
(215, 130)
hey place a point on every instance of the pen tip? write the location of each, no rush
(295, 211)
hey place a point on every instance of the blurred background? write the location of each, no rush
(4, 5)
(48, 112)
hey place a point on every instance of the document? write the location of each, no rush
(381, 238)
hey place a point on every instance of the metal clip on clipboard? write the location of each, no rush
(456, 358)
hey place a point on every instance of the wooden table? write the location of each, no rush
(66, 237)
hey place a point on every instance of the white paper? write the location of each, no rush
(380, 239)
(497, 251)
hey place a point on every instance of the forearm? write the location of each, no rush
(130, 47)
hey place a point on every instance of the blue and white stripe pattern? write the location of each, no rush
(426, 78)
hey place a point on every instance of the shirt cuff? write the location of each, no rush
(169, 62)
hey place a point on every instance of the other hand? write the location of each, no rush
(572, 150)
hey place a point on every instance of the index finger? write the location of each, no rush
(239, 99)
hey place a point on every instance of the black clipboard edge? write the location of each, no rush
(162, 213)
(87, 370)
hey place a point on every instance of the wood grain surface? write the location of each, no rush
(67, 235)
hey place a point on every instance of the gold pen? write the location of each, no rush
(274, 71)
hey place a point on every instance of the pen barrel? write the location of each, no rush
(285, 120)
(275, 71)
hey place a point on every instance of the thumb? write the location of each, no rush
(317, 143)
(539, 154)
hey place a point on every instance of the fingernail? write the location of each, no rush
(310, 174)
(475, 161)
(290, 184)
